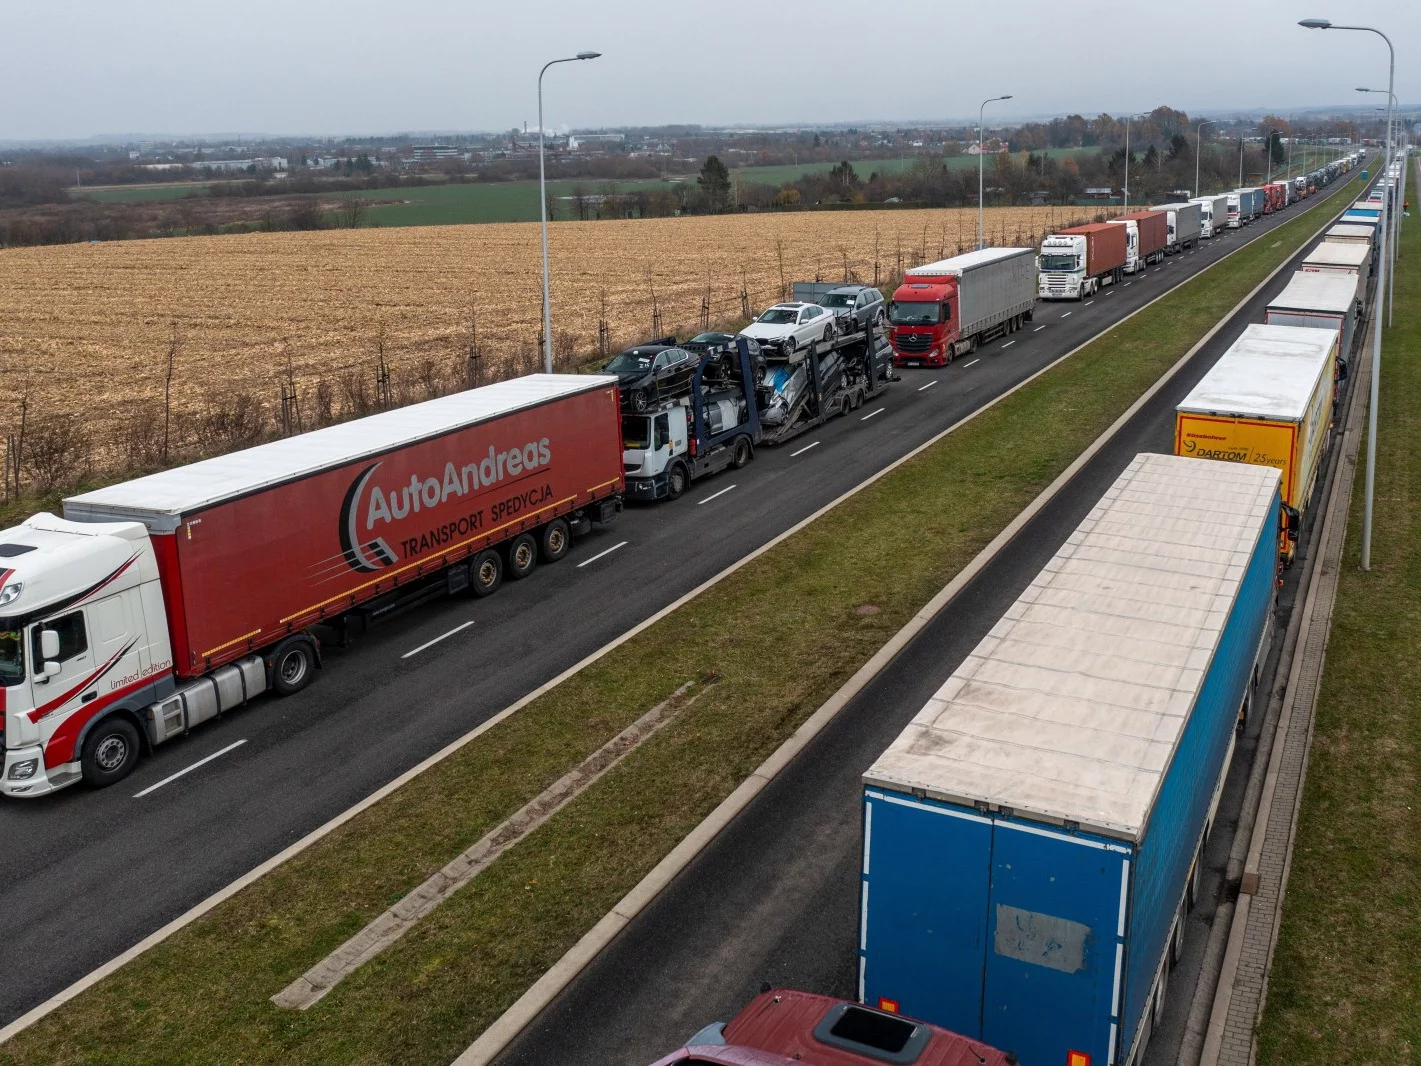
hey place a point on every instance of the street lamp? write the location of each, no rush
(1199, 149)
(1125, 206)
(1396, 215)
(1373, 397)
(543, 201)
(981, 116)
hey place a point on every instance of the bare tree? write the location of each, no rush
(352, 210)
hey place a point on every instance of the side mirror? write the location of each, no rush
(49, 644)
(51, 669)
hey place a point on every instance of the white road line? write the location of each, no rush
(1112, 291)
(190, 769)
(1008, 344)
(713, 495)
(929, 385)
(1038, 329)
(1068, 314)
(599, 555)
(973, 363)
(866, 417)
(808, 446)
(436, 640)
(1089, 302)
(1127, 284)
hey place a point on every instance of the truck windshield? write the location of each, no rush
(914, 313)
(12, 656)
(636, 431)
(1058, 262)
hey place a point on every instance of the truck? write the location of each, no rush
(1213, 215)
(798, 391)
(1275, 196)
(1268, 401)
(1076, 262)
(781, 1026)
(1300, 187)
(1246, 204)
(157, 604)
(947, 308)
(1331, 257)
(1350, 233)
(1146, 233)
(1032, 840)
(714, 426)
(1184, 225)
(1325, 301)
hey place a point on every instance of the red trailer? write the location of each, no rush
(160, 603)
(1276, 197)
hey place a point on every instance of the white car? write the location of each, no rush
(792, 326)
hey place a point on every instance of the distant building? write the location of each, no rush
(432, 153)
(274, 162)
(584, 141)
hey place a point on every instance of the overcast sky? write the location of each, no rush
(75, 68)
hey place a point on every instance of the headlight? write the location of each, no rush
(11, 592)
(23, 771)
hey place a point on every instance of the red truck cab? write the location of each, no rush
(923, 321)
(784, 1028)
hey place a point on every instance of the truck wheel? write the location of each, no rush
(742, 452)
(110, 751)
(292, 667)
(522, 556)
(486, 573)
(675, 481)
(555, 541)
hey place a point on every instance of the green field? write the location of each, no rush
(202, 996)
(1346, 980)
(503, 201)
(136, 194)
(778, 175)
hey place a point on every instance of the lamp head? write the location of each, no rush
(588, 55)
(1006, 97)
(1315, 24)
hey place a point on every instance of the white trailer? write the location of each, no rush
(1321, 300)
(1184, 225)
(1330, 257)
(1213, 214)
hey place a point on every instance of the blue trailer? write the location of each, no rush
(1030, 841)
(1251, 201)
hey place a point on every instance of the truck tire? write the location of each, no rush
(555, 540)
(292, 666)
(522, 556)
(486, 573)
(742, 454)
(676, 481)
(110, 751)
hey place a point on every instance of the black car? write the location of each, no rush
(651, 372)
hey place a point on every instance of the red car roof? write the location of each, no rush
(778, 1028)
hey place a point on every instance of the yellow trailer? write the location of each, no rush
(1268, 402)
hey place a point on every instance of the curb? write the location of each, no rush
(542, 992)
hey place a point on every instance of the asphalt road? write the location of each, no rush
(774, 899)
(88, 874)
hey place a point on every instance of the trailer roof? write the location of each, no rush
(959, 264)
(1071, 708)
(1331, 253)
(1269, 372)
(199, 485)
(1347, 229)
(1314, 291)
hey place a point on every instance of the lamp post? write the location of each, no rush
(1395, 234)
(543, 202)
(1125, 207)
(1240, 158)
(1199, 150)
(1374, 392)
(981, 117)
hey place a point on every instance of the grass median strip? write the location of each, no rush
(781, 635)
(1346, 981)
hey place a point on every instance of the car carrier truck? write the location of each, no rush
(159, 603)
(1146, 234)
(946, 309)
(1268, 401)
(1032, 840)
(799, 391)
(1076, 262)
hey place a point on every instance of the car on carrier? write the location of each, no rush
(854, 306)
(791, 326)
(651, 372)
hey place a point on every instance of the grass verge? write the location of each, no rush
(1346, 980)
(202, 995)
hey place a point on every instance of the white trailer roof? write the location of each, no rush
(1331, 253)
(1072, 707)
(1347, 230)
(961, 263)
(1311, 291)
(198, 485)
(1269, 372)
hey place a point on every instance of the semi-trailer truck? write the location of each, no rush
(1213, 215)
(1146, 233)
(796, 392)
(1334, 258)
(1032, 840)
(945, 309)
(1268, 401)
(1275, 196)
(159, 603)
(1076, 262)
(1249, 205)
(1184, 225)
(1324, 301)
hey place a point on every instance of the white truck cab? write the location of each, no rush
(83, 641)
(660, 456)
(1062, 268)
(1132, 243)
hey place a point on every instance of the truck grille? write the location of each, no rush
(913, 343)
